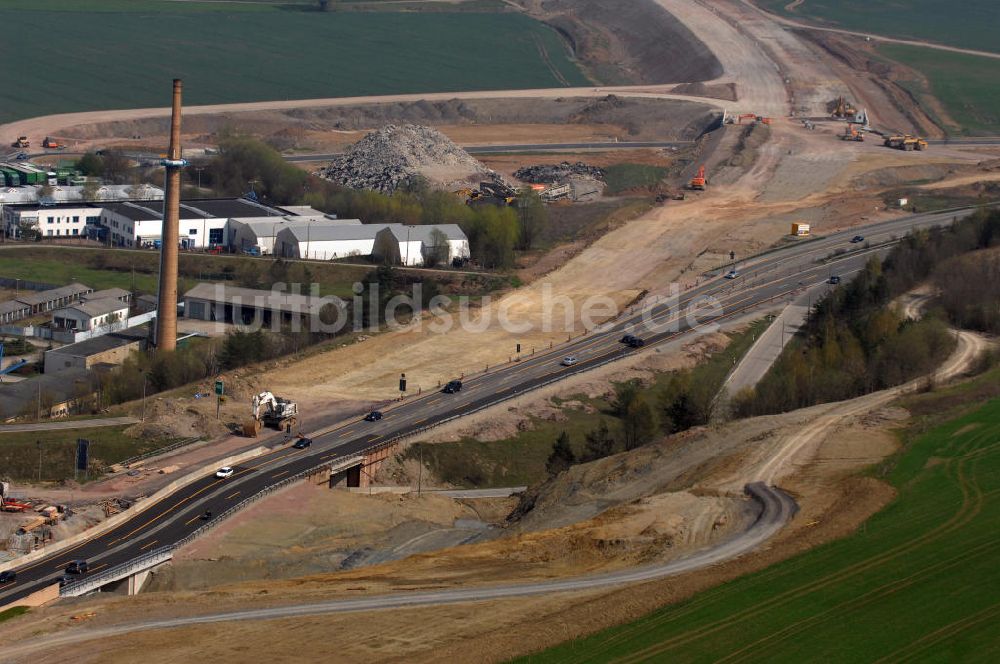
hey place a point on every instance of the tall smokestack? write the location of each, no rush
(166, 316)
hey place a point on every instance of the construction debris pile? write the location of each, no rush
(549, 173)
(388, 158)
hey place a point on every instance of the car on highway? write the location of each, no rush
(303, 443)
(633, 341)
(569, 360)
(834, 279)
(8, 577)
(21, 156)
(373, 416)
(452, 387)
(857, 238)
(732, 274)
(77, 567)
(224, 472)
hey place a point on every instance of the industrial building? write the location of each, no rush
(420, 245)
(246, 306)
(327, 242)
(41, 302)
(90, 315)
(136, 223)
(110, 349)
(257, 235)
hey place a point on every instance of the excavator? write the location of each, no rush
(843, 109)
(698, 182)
(853, 133)
(269, 410)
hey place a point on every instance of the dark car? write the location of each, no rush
(857, 238)
(834, 279)
(452, 387)
(636, 342)
(8, 576)
(373, 416)
(627, 339)
(77, 567)
(302, 443)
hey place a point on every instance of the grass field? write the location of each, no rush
(103, 54)
(969, 25)
(967, 86)
(622, 177)
(917, 583)
(520, 460)
(108, 445)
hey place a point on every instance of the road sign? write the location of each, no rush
(82, 453)
(402, 382)
(219, 388)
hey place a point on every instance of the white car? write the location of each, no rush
(224, 472)
(569, 361)
(732, 274)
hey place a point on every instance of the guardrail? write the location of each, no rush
(161, 450)
(144, 561)
(164, 553)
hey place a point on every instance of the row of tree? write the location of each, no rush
(855, 343)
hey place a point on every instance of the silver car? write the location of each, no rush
(569, 361)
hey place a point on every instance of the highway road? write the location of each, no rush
(768, 278)
(776, 509)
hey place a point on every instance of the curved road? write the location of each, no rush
(775, 275)
(776, 509)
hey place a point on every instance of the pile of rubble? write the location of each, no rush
(548, 173)
(388, 158)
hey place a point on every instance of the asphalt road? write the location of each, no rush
(768, 278)
(776, 509)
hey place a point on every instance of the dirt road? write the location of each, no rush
(776, 509)
(872, 36)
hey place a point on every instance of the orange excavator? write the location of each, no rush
(752, 117)
(698, 181)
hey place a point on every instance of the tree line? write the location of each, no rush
(854, 342)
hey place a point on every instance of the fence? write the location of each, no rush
(161, 450)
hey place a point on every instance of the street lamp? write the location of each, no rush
(143, 373)
(38, 443)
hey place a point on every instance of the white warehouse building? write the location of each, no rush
(420, 245)
(327, 242)
(257, 235)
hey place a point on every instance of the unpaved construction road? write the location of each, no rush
(776, 509)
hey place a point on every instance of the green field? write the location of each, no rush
(19, 454)
(971, 24)
(917, 583)
(102, 54)
(967, 86)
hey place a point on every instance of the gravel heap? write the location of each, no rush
(387, 158)
(548, 173)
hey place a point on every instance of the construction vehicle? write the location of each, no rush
(800, 229)
(52, 144)
(698, 182)
(762, 119)
(21, 142)
(746, 116)
(853, 133)
(905, 142)
(269, 410)
(8, 504)
(843, 108)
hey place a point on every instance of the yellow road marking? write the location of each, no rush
(232, 495)
(147, 545)
(284, 472)
(194, 518)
